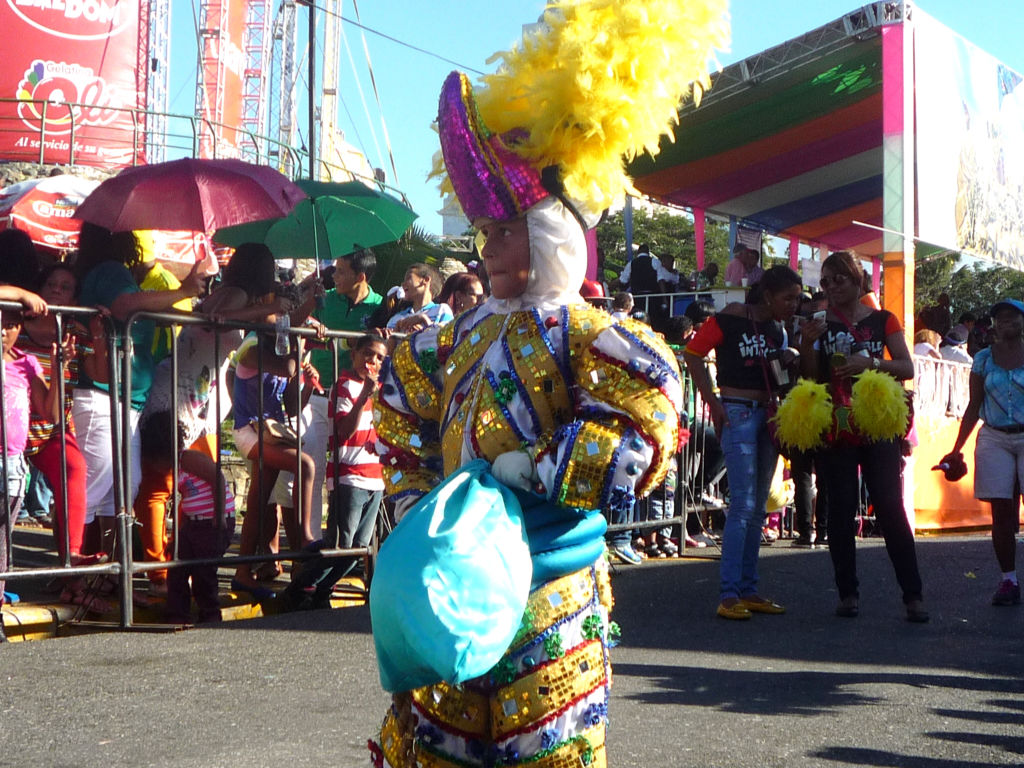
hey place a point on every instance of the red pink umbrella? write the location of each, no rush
(190, 194)
(44, 209)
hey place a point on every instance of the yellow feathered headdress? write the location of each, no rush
(593, 84)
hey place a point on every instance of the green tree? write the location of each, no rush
(976, 287)
(669, 235)
(393, 259)
(932, 277)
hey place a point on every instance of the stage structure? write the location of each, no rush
(820, 141)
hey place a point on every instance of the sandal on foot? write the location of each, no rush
(82, 598)
(267, 572)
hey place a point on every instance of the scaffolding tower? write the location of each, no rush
(256, 80)
(213, 16)
(156, 71)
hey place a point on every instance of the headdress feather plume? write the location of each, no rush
(596, 82)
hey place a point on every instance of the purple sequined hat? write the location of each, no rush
(490, 180)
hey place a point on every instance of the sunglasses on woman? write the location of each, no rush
(836, 280)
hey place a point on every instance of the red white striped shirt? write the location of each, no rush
(197, 498)
(356, 459)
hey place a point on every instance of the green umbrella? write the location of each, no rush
(335, 219)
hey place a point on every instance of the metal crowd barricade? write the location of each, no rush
(59, 314)
(694, 490)
(120, 346)
(219, 362)
(677, 504)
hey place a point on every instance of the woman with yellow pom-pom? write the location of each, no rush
(846, 351)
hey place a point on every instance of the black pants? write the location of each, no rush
(811, 509)
(881, 465)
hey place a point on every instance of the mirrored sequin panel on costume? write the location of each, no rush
(544, 704)
(595, 401)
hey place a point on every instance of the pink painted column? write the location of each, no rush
(698, 235)
(591, 254)
(794, 253)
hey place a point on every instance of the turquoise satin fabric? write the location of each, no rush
(452, 580)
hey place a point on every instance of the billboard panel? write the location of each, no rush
(970, 147)
(69, 70)
(223, 77)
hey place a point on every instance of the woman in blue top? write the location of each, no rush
(997, 398)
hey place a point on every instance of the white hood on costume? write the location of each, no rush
(558, 260)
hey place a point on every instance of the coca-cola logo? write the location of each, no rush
(77, 19)
(61, 95)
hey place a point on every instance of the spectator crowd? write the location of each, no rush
(276, 385)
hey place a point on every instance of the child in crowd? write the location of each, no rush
(24, 390)
(204, 532)
(354, 475)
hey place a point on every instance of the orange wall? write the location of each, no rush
(938, 503)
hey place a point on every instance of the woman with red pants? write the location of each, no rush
(59, 286)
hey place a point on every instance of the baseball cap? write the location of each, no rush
(956, 336)
(1008, 304)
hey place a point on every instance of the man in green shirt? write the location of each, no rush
(347, 307)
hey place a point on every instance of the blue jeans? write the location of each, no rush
(750, 460)
(351, 519)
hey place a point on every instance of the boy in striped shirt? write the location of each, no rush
(354, 475)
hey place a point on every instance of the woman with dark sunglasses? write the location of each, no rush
(851, 339)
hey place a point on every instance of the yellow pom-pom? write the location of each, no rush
(879, 404)
(804, 416)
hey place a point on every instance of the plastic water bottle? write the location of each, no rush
(282, 347)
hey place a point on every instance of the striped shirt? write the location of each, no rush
(197, 498)
(357, 462)
(40, 428)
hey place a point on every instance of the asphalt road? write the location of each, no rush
(804, 689)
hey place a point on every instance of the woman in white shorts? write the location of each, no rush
(997, 398)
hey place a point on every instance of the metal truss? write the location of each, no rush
(210, 93)
(849, 30)
(282, 96)
(154, 68)
(256, 78)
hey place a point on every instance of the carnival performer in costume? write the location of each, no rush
(747, 340)
(577, 413)
(849, 344)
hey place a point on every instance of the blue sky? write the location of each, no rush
(469, 31)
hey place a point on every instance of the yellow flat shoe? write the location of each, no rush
(761, 606)
(736, 611)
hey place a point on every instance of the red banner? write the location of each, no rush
(70, 71)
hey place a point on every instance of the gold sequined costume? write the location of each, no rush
(596, 402)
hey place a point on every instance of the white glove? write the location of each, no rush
(516, 470)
